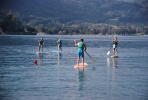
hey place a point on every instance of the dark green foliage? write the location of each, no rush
(80, 11)
(10, 24)
(74, 17)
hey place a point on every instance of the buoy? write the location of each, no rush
(35, 62)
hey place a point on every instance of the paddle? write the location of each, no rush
(108, 53)
(93, 60)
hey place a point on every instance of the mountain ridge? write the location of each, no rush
(92, 11)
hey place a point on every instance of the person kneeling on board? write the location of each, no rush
(81, 48)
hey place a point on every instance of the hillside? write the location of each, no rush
(125, 17)
(78, 11)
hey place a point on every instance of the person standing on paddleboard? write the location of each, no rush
(41, 43)
(115, 44)
(81, 48)
(59, 43)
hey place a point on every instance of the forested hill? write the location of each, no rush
(77, 11)
(74, 16)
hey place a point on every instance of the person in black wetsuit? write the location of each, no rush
(41, 44)
(59, 43)
(115, 44)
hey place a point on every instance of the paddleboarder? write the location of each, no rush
(59, 43)
(41, 43)
(81, 48)
(115, 44)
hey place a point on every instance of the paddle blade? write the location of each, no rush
(108, 52)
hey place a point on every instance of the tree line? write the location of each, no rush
(10, 24)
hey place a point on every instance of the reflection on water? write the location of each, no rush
(81, 79)
(112, 65)
(108, 62)
(114, 62)
(59, 57)
(123, 78)
(40, 58)
(112, 87)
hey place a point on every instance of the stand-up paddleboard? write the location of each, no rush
(114, 56)
(39, 52)
(80, 65)
(56, 51)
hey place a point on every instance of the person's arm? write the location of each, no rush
(75, 43)
(113, 41)
(85, 47)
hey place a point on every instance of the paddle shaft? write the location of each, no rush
(109, 51)
(88, 54)
(93, 60)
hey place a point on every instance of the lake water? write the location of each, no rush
(54, 78)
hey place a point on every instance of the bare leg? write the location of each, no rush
(113, 51)
(42, 48)
(83, 60)
(116, 52)
(39, 48)
(58, 48)
(78, 60)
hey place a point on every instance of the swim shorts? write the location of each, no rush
(80, 53)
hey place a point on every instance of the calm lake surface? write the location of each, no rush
(54, 78)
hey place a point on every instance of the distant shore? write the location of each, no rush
(44, 34)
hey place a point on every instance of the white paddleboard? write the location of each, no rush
(56, 51)
(39, 52)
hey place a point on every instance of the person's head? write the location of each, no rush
(81, 40)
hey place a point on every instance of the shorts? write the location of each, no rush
(40, 45)
(80, 53)
(114, 46)
(59, 45)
